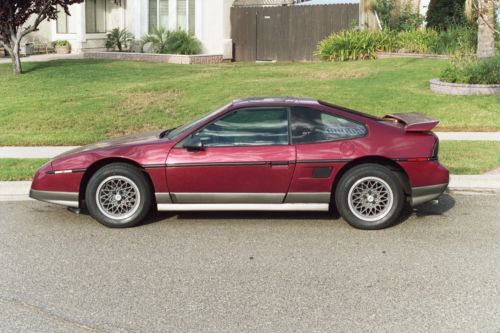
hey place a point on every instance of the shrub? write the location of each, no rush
(118, 39)
(456, 38)
(384, 10)
(417, 41)
(158, 38)
(177, 42)
(442, 14)
(60, 43)
(468, 70)
(348, 45)
(407, 19)
(182, 42)
(354, 45)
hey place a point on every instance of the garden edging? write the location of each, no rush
(202, 59)
(382, 55)
(449, 88)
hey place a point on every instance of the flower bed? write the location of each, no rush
(203, 59)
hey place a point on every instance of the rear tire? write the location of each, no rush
(118, 195)
(369, 197)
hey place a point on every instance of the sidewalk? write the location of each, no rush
(18, 191)
(50, 152)
(43, 57)
(33, 152)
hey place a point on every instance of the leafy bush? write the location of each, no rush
(354, 45)
(417, 41)
(60, 43)
(118, 39)
(468, 70)
(442, 14)
(407, 18)
(349, 45)
(177, 42)
(159, 38)
(456, 38)
(182, 42)
(384, 10)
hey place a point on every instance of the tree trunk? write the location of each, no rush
(16, 59)
(485, 32)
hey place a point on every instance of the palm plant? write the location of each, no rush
(159, 38)
(118, 38)
(181, 42)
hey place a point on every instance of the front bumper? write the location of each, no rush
(423, 194)
(69, 199)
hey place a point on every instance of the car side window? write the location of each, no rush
(311, 125)
(247, 127)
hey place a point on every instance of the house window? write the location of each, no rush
(158, 14)
(185, 15)
(62, 22)
(95, 16)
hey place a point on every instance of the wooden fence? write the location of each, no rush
(286, 33)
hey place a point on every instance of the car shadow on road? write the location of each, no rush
(240, 215)
(445, 203)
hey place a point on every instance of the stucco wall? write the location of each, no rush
(212, 17)
(215, 23)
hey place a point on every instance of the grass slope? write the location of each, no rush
(72, 102)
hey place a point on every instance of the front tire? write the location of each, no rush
(369, 197)
(118, 195)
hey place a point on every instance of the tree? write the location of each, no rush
(444, 13)
(15, 13)
(485, 29)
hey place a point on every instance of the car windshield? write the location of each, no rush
(187, 127)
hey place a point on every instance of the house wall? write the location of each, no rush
(215, 27)
(212, 26)
(43, 34)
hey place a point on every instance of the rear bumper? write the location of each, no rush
(423, 194)
(69, 199)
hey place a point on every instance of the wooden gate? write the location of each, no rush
(286, 33)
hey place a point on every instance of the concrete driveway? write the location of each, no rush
(239, 272)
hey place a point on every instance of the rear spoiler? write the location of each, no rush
(413, 121)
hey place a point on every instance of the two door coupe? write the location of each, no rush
(256, 154)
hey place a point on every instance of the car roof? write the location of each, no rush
(263, 100)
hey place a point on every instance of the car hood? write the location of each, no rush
(138, 138)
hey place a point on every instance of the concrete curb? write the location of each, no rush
(18, 191)
(15, 191)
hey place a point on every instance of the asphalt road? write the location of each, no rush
(438, 271)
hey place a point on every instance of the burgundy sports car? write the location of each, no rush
(281, 154)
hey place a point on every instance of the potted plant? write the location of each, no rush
(62, 46)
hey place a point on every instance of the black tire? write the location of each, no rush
(122, 187)
(366, 189)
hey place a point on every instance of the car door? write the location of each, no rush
(324, 143)
(243, 157)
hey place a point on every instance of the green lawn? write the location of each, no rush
(71, 102)
(19, 169)
(460, 157)
(470, 157)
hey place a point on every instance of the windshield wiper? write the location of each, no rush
(166, 132)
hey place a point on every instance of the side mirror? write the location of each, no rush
(193, 144)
